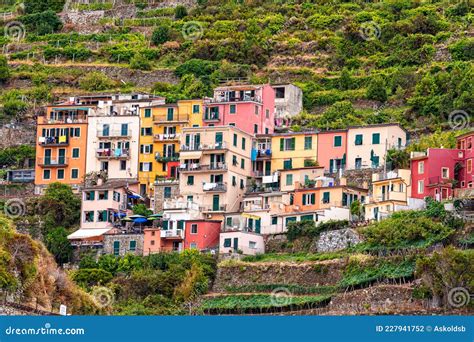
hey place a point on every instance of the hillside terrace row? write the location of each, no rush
(220, 173)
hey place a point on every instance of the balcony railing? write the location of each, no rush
(256, 207)
(116, 153)
(54, 141)
(53, 162)
(114, 133)
(213, 208)
(264, 154)
(75, 119)
(172, 234)
(168, 157)
(204, 147)
(165, 119)
(218, 187)
(211, 117)
(166, 137)
(202, 168)
(234, 99)
(438, 180)
(161, 181)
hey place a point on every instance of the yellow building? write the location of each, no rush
(390, 192)
(294, 150)
(160, 132)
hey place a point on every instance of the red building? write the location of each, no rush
(464, 142)
(202, 234)
(436, 173)
(248, 107)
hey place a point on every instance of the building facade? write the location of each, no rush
(294, 150)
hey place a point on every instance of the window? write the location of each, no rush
(359, 139)
(267, 131)
(235, 140)
(147, 112)
(194, 228)
(133, 245)
(307, 218)
(146, 167)
(256, 110)
(280, 93)
(89, 195)
(421, 167)
(228, 221)
(337, 141)
(75, 132)
(274, 220)
(469, 166)
(103, 195)
(46, 174)
(444, 172)
(60, 174)
(326, 197)
(116, 196)
(146, 149)
(421, 186)
(290, 219)
(287, 164)
(196, 109)
(167, 192)
(193, 245)
(358, 163)
(88, 216)
(152, 242)
(309, 199)
(189, 198)
(74, 173)
(232, 124)
(234, 161)
(289, 179)
(75, 152)
(190, 180)
(308, 143)
(227, 242)
(180, 224)
(169, 114)
(287, 144)
(242, 163)
(102, 216)
(255, 128)
(267, 113)
(232, 109)
(146, 131)
(234, 181)
(375, 138)
(252, 245)
(116, 248)
(123, 165)
(243, 143)
(242, 185)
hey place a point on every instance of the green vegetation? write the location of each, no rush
(260, 303)
(309, 228)
(17, 156)
(293, 257)
(292, 288)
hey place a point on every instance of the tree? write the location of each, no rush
(180, 12)
(42, 23)
(61, 206)
(140, 62)
(141, 209)
(160, 35)
(37, 6)
(95, 81)
(376, 89)
(398, 159)
(345, 81)
(356, 209)
(58, 245)
(4, 70)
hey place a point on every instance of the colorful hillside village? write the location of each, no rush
(222, 174)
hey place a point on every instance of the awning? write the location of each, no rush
(251, 216)
(88, 233)
(69, 108)
(190, 155)
(134, 195)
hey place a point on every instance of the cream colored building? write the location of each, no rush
(368, 145)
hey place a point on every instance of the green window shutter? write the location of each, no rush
(228, 221)
(258, 226)
(282, 144)
(274, 220)
(242, 163)
(133, 245)
(290, 219)
(227, 242)
(292, 144)
(376, 138)
(304, 199)
(287, 164)
(307, 218)
(359, 139)
(92, 196)
(235, 140)
(195, 109)
(170, 114)
(337, 141)
(165, 225)
(308, 143)
(190, 180)
(243, 143)
(289, 179)
(326, 197)
(147, 112)
(74, 173)
(75, 153)
(313, 198)
(234, 181)
(180, 224)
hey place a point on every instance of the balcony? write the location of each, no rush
(166, 137)
(63, 119)
(168, 157)
(114, 134)
(117, 153)
(167, 119)
(214, 187)
(214, 209)
(255, 207)
(202, 168)
(231, 99)
(391, 196)
(165, 181)
(264, 154)
(53, 141)
(204, 147)
(172, 234)
(438, 180)
(211, 116)
(53, 162)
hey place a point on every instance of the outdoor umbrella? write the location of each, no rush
(136, 216)
(140, 220)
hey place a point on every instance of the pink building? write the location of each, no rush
(466, 177)
(202, 234)
(248, 107)
(332, 149)
(435, 173)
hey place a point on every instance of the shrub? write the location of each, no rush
(95, 81)
(140, 62)
(309, 228)
(4, 70)
(160, 35)
(376, 89)
(180, 12)
(41, 23)
(88, 277)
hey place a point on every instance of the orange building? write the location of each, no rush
(61, 145)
